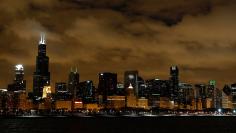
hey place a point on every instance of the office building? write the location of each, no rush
(131, 100)
(41, 76)
(19, 83)
(131, 77)
(115, 102)
(120, 89)
(186, 95)
(73, 82)
(142, 103)
(62, 92)
(86, 92)
(3, 99)
(233, 93)
(155, 89)
(174, 80)
(107, 86)
(61, 87)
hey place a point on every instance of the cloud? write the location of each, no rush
(119, 35)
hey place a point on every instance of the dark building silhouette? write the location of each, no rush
(141, 84)
(41, 76)
(186, 94)
(120, 89)
(73, 83)
(107, 85)
(233, 93)
(62, 92)
(227, 90)
(60, 86)
(156, 88)
(19, 83)
(174, 79)
(86, 91)
(131, 77)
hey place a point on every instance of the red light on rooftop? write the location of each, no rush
(78, 102)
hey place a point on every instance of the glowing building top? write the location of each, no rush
(42, 39)
(130, 86)
(19, 67)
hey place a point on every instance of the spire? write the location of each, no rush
(42, 39)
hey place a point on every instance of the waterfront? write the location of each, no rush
(117, 124)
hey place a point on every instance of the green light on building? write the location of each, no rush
(212, 82)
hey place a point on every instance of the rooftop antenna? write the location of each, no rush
(42, 39)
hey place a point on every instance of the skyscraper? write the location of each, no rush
(60, 86)
(233, 93)
(131, 77)
(73, 82)
(107, 85)
(41, 76)
(174, 79)
(86, 91)
(19, 83)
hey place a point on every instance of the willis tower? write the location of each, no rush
(41, 75)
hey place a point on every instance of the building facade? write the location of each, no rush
(41, 76)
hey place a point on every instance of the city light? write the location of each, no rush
(135, 95)
(78, 102)
(19, 67)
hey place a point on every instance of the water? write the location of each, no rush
(118, 125)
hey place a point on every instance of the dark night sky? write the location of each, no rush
(117, 35)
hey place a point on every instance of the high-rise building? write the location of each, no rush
(73, 83)
(3, 99)
(155, 89)
(174, 79)
(86, 91)
(60, 86)
(226, 101)
(120, 89)
(186, 95)
(233, 93)
(140, 87)
(107, 85)
(217, 98)
(131, 77)
(19, 83)
(200, 95)
(41, 76)
(131, 101)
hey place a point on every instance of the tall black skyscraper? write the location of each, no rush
(41, 75)
(107, 85)
(174, 79)
(73, 83)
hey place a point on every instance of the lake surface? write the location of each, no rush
(118, 125)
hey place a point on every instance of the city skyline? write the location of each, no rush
(115, 36)
(134, 93)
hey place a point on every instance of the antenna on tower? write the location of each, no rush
(42, 39)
